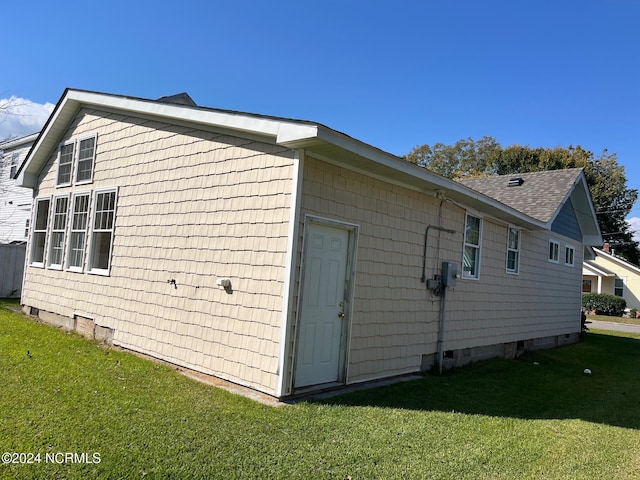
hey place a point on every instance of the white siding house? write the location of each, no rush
(15, 212)
(15, 206)
(285, 256)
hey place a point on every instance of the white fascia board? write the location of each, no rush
(73, 100)
(590, 270)
(233, 121)
(435, 181)
(17, 142)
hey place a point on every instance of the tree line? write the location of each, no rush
(612, 198)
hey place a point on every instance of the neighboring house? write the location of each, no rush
(286, 256)
(15, 206)
(604, 272)
(15, 212)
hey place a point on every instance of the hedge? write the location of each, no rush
(604, 304)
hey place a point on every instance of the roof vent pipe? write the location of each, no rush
(515, 182)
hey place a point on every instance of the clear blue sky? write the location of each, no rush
(393, 74)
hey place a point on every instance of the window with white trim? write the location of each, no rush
(14, 164)
(86, 155)
(39, 235)
(513, 250)
(471, 254)
(618, 289)
(58, 230)
(554, 251)
(78, 231)
(569, 254)
(103, 220)
(65, 164)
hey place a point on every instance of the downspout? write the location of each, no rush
(441, 330)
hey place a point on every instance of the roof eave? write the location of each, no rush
(73, 100)
(295, 134)
(356, 155)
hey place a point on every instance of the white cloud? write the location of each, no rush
(635, 227)
(20, 117)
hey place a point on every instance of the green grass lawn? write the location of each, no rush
(537, 417)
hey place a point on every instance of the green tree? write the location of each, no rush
(607, 182)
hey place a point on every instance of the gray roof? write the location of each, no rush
(527, 198)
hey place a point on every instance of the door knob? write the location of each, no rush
(341, 315)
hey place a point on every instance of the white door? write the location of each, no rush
(322, 314)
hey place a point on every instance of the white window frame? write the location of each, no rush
(477, 248)
(74, 232)
(56, 231)
(73, 154)
(95, 231)
(39, 231)
(555, 256)
(569, 262)
(516, 250)
(13, 168)
(76, 171)
(621, 288)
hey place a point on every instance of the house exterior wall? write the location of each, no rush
(15, 203)
(566, 223)
(193, 206)
(394, 318)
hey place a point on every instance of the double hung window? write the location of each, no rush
(513, 250)
(569, 254)
(58, 230)
(104, 208)
(15, 156)
(86, 154)
(65, 164)
(78, 232)
(472, 240)
(76, 161)
(554, 251)
(39, 236)
(618, 288)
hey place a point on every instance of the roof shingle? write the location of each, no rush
(540, 196)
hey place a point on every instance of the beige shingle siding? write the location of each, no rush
(395, 319)
(192, 206)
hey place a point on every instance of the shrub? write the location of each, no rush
(604, 304)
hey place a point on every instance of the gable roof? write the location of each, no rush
(313, 138)
(541, 195)
(18, 142)
(556, 185)
(179, 99)
(621, 262)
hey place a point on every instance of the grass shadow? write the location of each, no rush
(549, 384)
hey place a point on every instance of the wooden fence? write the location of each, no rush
(11, 269)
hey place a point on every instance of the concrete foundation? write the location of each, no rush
(83, 325)
(459, 358)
